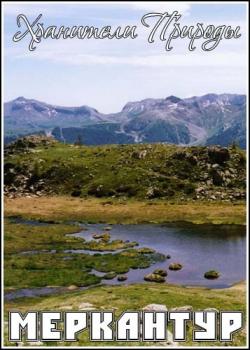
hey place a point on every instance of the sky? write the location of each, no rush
(106, 74)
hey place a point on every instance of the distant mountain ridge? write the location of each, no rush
(209, 119)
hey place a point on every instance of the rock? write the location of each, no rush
(212, 197)
(192, 159)
(104, 236)
(170, 341)
(72, 287)
(109, 275)
(65, 307)
(218, 155)
(175, 266)
(212, 274)
(139, 154)
(35, 343)
(182, 308)
(215, 166)
(86, 306)
(160, 272)
(152, 277)
(107, 228)
(145, 250)
(131, 244)
(168, 256)
(199, 189)
(212, 309)
(155, 307)
(209, 182)
(153, 192)
(122, 278)
(217, 177)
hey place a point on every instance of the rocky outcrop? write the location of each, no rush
(155, 171)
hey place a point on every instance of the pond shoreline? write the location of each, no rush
(197, 248)
(10, 294)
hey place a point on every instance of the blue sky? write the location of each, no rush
(106, 74)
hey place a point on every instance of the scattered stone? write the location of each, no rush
(72, 287)
(109, 275)
(66, 307)
(160, 272)
(86, 306)
(182, 308)
(139, 154)
(212, 309)
(35, 343)
(218, 155)
(122, 278)
(145, 250)
(155, 307)
(175, 266)
(103, 236)
(153, 277)
(212, 274)
(107, 228)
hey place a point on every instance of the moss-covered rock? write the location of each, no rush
(108, 228)
(103, 236)
(212, 274)
(153, 277)
(145, 250)
(109, 276)
(160, 272)
(122, 278)
(175, 266)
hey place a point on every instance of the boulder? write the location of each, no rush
(109, 275)
(160, 272)
(72, 287)
(107, 228)
(212, 274)
(175, 266)
(153, 277)
(122, 278)
(217, 177)
(104, 236)
(182, 308)
(145, 250)
(218, 155)
(155, 307)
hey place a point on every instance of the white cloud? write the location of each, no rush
(195, 59)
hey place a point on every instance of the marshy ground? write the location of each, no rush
(55, 232)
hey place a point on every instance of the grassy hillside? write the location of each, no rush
(40, 165)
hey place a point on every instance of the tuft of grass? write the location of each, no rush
(36, 256)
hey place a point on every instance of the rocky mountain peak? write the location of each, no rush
(173, 99)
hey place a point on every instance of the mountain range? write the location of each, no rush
(204, 120)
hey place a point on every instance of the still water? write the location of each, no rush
(198, 248)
